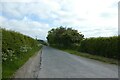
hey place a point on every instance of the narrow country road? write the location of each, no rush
(58, 64)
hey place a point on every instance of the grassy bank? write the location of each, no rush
(16, 50)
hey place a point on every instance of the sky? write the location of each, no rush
(93, 18)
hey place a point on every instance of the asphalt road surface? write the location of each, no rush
(58, 64)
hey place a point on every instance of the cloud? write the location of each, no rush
(91, 17)
(19, 10)
(26, 26)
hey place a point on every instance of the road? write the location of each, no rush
(58, 64)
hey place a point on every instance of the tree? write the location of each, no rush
(64, 37)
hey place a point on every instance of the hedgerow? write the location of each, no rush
(16, 49)
(102, 46)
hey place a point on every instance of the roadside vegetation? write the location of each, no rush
(42, 42)
(16, 50)
(64, 37)
(0, 54)
(101, 48)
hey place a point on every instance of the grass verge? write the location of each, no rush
(95, 57)
(10, 67)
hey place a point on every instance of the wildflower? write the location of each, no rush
(4, 59)
(25, 48)
(15, 57)
(11, 60)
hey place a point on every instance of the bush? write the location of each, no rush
(16, 49)
(64, 37)
(16, 42)
(102, 46)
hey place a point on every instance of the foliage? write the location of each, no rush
(16, 43)
(64, 37)
(102, 46)
(42, 42)
(16, 49)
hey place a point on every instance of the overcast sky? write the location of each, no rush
(93, 18)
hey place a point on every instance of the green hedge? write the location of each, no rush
(102, 46)
(12, 40)
(16, 50)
